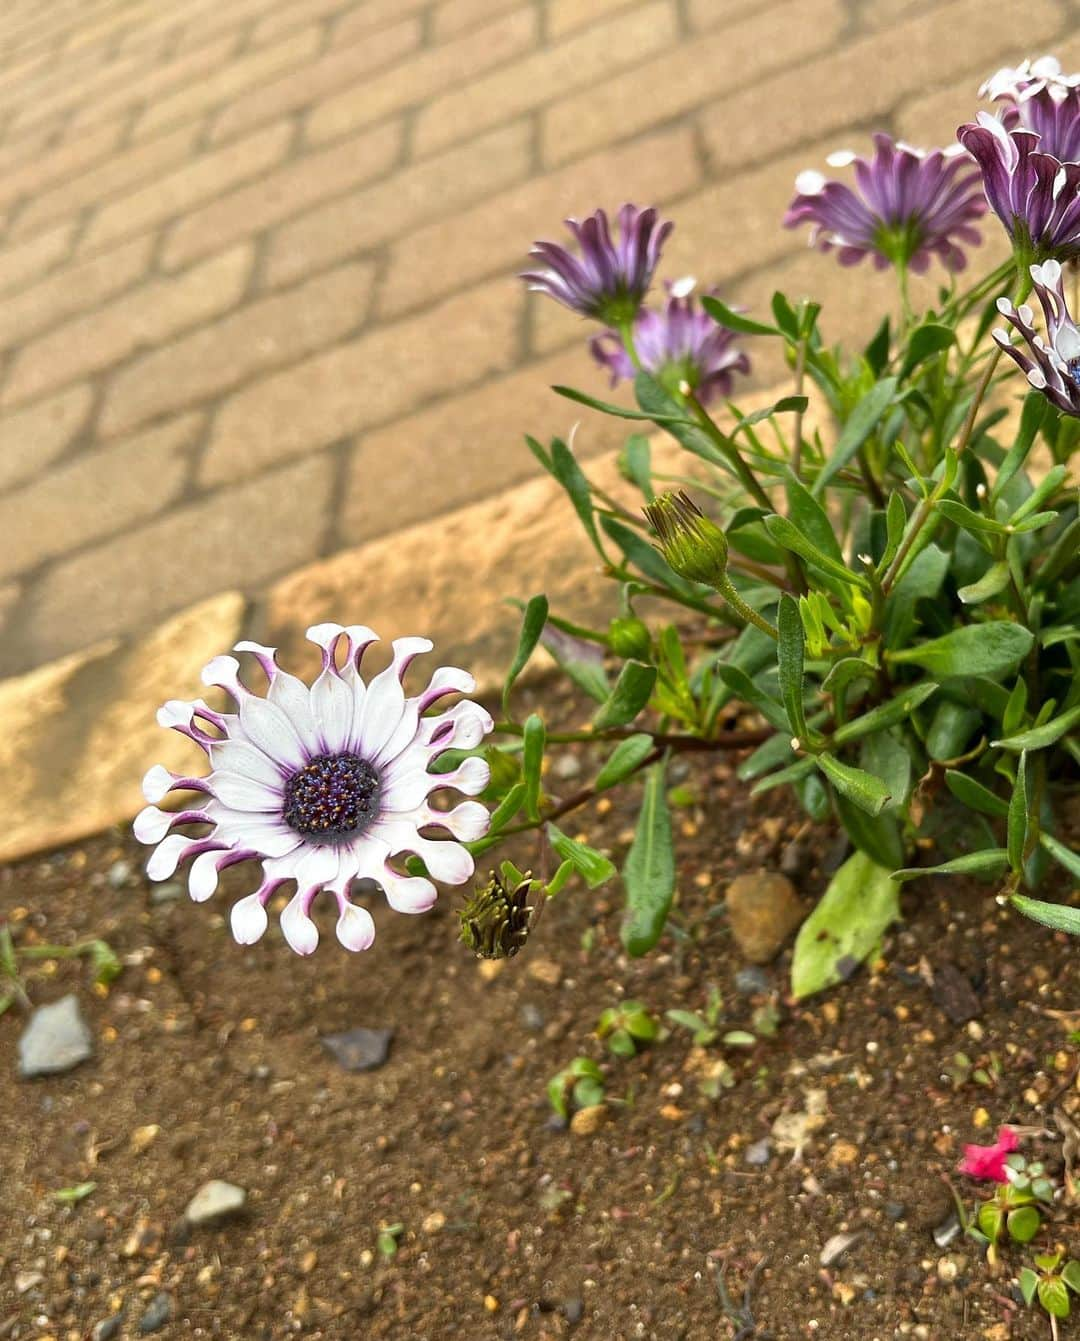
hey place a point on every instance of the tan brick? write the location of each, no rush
(177, 192)
(158, 81)
(232, 79)
(9, 597)
(567, 16)
(44, 168)
(281, 194)
(705, 14)
(691, 74)
(148, 316)
(361, 19)
(32, 437)
(71, 290)
(391, 483)
(575, 63)
(133, 167)
(235, 537)
(261, 336)
(284, 18)
(344, 68)
(25, 261)
(768, 118)
(94, 496)
(397, 203)
(495, 235)
(74, 83)
(413, 81)
(452, 17)
(16, 153)
(366, 382)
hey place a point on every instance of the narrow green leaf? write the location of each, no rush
(1036, 409)
(744, 688)
(972, 649)
(540, 452)
(879, 837)
(1019, 815)
(861, 902)
(532, 756)
(845, 672)
(532, 626)
(619, 411)
(1029, 1281)
(994, 580)
(649, 872)
(789, 535)
(862, 789)
(1070, 1274)
(974, 795)
(895, 522)
(790, 653)
(1065, 856)
(629, 696)
(969, 520)
(636, 458)
(624, 759)
(1047, 486)
(1039, 737)
(69, 1196)
(592, 866)
(926, 341)
(951, 727)
(735, 321)
(991, 861)
(572, 478)
(863, 421)
(507, 808)
(583, 661)
(897, 709)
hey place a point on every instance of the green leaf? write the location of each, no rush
(807, 514)
(1048, 485)
(990, 861)
(973, 649)
(70, 1196)
(926, 341)
(583, 661)
(1056, 916)
(592, 866)
(862, 789)
(507, 808)
(1065, 856)
(649, 872)
(895, 522)
(990, 1219)
(1023, 1224)
(1070, 1274)
(104, 962)
(1029, 1281)
(898, 709)
(739, 1038)
(951, 727)
(532, 626)
(631, 693)
(1036, 408)
(861, 423)
(879, 837)
(789, 664)
(788, 535)
(846, 671)
(735, 321)
(638, 1022)
(534, 738)
(994, 580)
(636, 458)
(974, 795)
(1019, 815)
(566, 470)
(618, 411)
(745, 689)
(876, 352)
(624, 759)
(862, 900)
(1054, 1296)
(1039, 737)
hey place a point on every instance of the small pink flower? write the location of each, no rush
(988, 1161)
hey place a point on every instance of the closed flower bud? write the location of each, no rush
(693, 544)
(497, 919)
(628, 637)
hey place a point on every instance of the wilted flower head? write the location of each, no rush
(496, 921)
(693, 545)
(1033, 192)
(322, 785)
(1052, 365)
(909, 205)
(988, 1161)
(611, 276)
(680, 345)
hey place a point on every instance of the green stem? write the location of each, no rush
(728, 592)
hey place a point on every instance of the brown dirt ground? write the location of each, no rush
(511, 1226)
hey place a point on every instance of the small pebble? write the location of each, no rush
(532, 1018)
(167, 892)
(573, 1311)
(757, 1155)
(119, 874)
(157, 1314)
(56, 1039)
(835, 1248)
(359, 1049)
(895, 1210)
(215, 1201)
(107, 1328)
(586, 1121)
(947, 1231)
(567, 766)
(752, 981)
(545, 971)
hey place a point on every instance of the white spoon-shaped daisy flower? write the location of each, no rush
(322, 785)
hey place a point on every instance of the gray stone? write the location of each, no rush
(752, 981)
(119, 874)
(56, 1039)
(359, 1049)
(215, 1201)
(532, 1018)
(167, 892)
(835, 1248)
(757, 1155)
(107, 1328)
(157, 1314)
(763, 910)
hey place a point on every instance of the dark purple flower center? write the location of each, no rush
(332, 795)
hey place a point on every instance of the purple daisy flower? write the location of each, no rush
(322, 785)
(1035, 194)
(910, 205)
(610, 278)
(1041, 99)
(1052, 366)
(679, 345)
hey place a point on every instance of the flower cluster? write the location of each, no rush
(909, 205)
(1052, 366)
(322, 785)
(680, 345)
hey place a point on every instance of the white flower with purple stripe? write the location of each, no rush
(1051, 366)
(323, 785)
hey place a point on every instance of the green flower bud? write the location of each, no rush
(693, 544)
(497, 919)
(628, 637)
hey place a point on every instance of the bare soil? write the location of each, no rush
(654, 1226)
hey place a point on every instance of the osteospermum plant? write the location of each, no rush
(889, 585)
